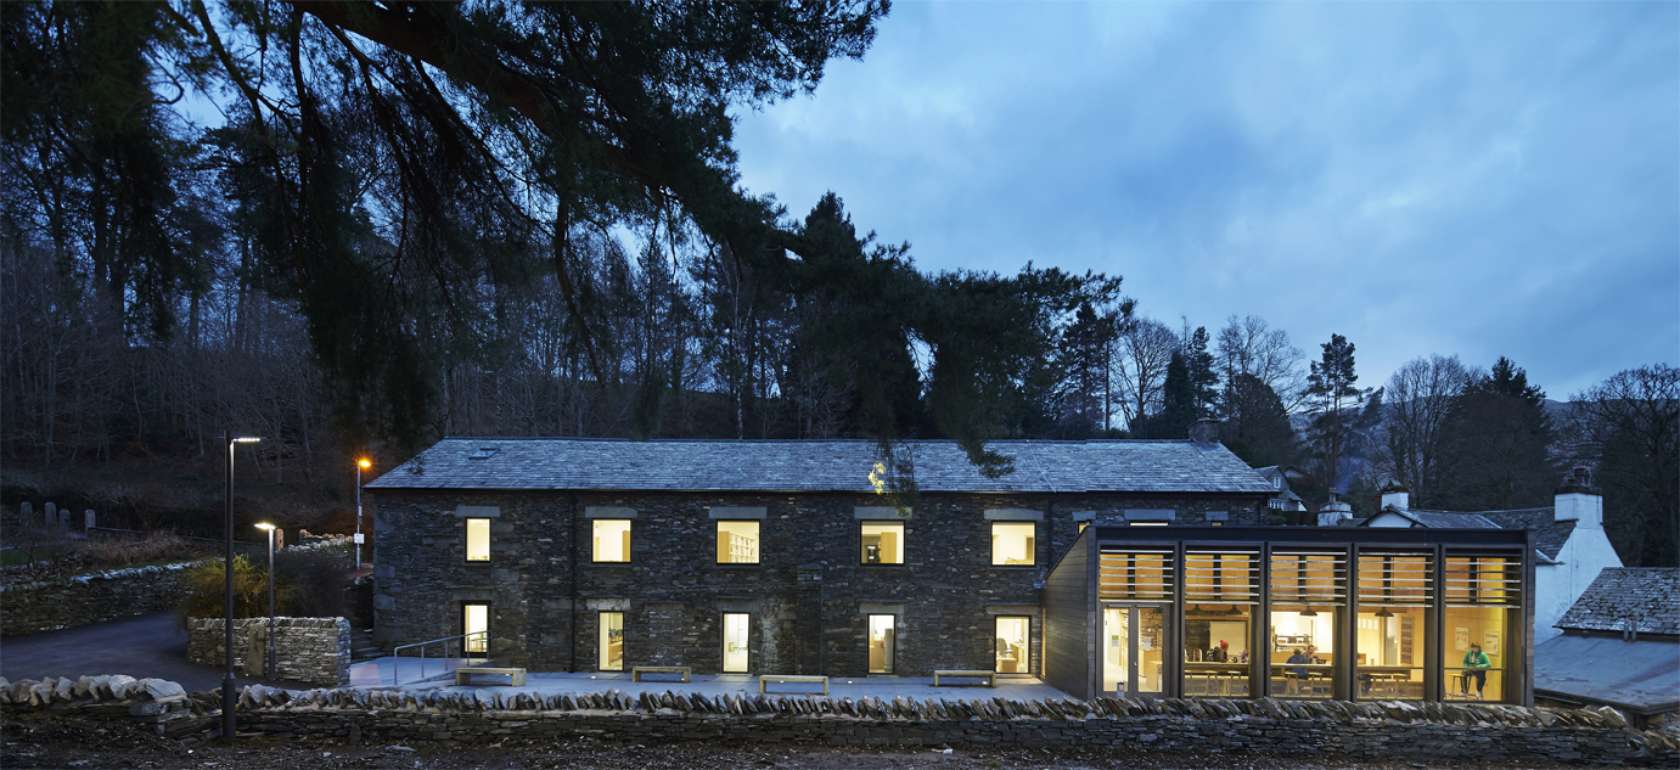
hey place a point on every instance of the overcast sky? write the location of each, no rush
(1479, 179)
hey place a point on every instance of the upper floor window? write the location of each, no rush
(611, 541)
(1013, 543)
(737, 542)
(883, 542)
(478, 540)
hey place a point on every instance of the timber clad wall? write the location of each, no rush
(1069, 612)
(808, 598)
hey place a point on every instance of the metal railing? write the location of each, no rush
(477, 642)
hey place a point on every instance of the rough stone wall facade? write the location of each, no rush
(93, 598)
(808, 598)
(311, 650)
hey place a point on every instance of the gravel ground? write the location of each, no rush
(56, 745)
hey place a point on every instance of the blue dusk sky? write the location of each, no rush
(1482, 179)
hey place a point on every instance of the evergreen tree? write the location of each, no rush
(1498, 436)
(1331, 388)
(1084, 355)
(1257, 426)
(1178, 404)
(1204, 381)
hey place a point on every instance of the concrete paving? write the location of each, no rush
(378, 673)
(147, 646)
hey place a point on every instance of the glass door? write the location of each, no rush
(1133, 641)
(735, 633)
(881, 643)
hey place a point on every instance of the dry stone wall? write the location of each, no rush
(309, 650)
(96, 597)
(1434, 733)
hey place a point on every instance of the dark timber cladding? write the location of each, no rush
(1308, 613)
(766, 556)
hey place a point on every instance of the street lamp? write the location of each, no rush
(268, 656)
(227, 585)
(362, 464)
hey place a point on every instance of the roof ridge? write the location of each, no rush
(836, 440)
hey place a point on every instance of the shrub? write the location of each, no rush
(154, 547)
(205, 587)
(313, 582)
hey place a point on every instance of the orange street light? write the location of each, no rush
(362, 463)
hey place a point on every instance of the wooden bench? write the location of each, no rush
(516, 676)
(636, 672)
(765, 680)
(989, 676)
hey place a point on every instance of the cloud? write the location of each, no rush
(1480, 179)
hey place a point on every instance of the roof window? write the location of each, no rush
(483, 453)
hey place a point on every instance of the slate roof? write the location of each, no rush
(1642, 676)
(1648, 598)
(1140, 466)
(1549, 534)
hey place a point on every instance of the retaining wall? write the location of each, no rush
(1390, 732)
(311, 650)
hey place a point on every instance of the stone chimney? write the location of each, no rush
(1205, 431)
(1578, 500)
(1334, 513)
(1394, 495)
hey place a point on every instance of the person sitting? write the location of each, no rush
(1300, 673)
(1476, 664)
(1221, 653)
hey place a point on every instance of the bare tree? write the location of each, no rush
(1250, 346)
(1632, 421)
(1420, 394)
(1141, 354)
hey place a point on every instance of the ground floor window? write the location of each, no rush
(1476, 653)
(1216, 654)
(882, 640)
(736, 627)
(610, 655)
(475, 628)
(1302, 652)
(1011, 650)
(1388, 662)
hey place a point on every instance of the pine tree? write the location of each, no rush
(1330, 388)
(1257, 426)
(1204, 381)
(1178, 405)
(1498, 437)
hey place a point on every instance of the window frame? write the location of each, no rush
(629, 550)
(717, 554)
(466, 540)
(489, 618)
(991, 548)
(903, 537)
(600, 626)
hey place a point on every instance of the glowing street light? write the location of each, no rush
(362, 464)
(268, 654)
(227, 585)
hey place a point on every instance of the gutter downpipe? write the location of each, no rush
(572, 605)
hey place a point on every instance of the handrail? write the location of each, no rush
(396, 652)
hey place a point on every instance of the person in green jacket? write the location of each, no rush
(1476, 665)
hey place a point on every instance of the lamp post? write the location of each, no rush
(362, 464)
(268, 651)
(227, 585)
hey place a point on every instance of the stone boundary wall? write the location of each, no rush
(310, 650)
(96, 597)
(1392, 731)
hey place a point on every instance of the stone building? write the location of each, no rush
(764, 556)
(1619, 647)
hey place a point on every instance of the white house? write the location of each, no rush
(1569, 541)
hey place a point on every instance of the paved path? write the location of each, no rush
(150, 645)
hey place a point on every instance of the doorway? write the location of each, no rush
(735, 633)
(1133, 642)
(881, 642)
(1009, 652)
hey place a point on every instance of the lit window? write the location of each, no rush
(1082, 525)
(612, 540)
(478, 540)
(475, 628)
(1147, 523)
(610, 657)
(883, 542)
(737, 542)
(1013, 543)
